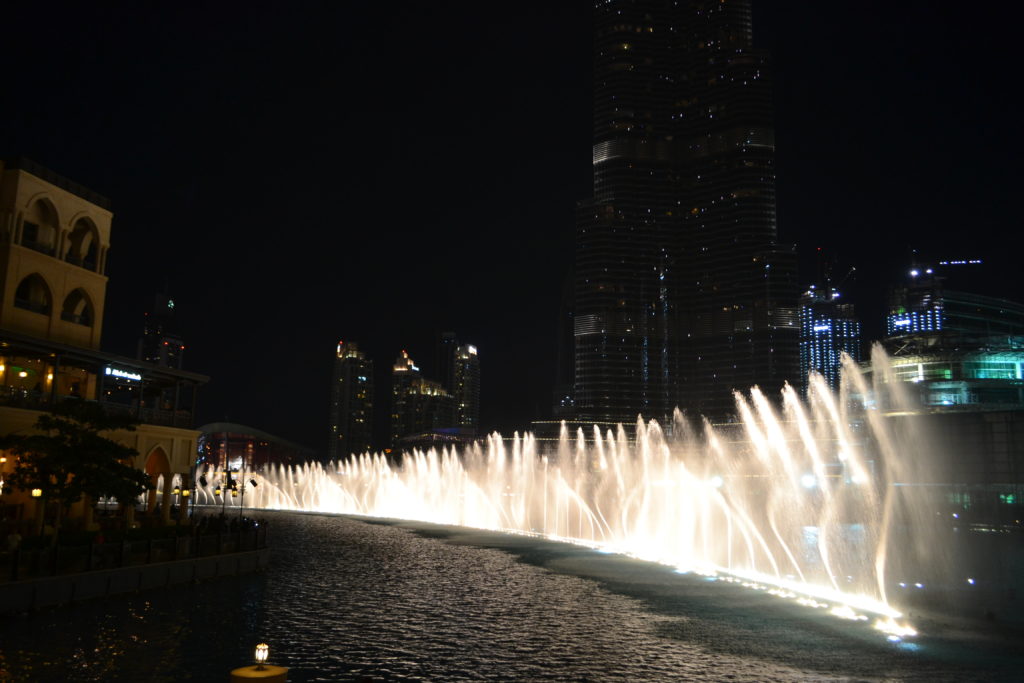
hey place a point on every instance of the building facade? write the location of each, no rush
(682, 291)
(923, 304)
(828, 329)
(464, 387)
(352, 394)
(958, 359)
(418, 405)
(54, 239)
(226, 447)
(161, 343)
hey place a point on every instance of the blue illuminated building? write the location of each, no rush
(923, 305)
(915, 307)
(828, 329)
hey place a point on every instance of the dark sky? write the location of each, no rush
(381, 172)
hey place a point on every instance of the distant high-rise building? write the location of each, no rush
(161, 344)
(351, 402)
(444, 357)
(915, 306)
(458, 368)
(418, 405)
(737, 285)
(465, 388)
(563, 403)
(828, 329)
(923, 305)
(682, 291)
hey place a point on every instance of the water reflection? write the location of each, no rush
(348, 600)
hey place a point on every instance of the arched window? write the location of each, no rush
(77, 308)
(33, 294)
(39, 229)
(83, 244)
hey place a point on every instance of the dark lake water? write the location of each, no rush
(347, 599)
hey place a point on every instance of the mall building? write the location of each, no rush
(959, 359)
(54, 241)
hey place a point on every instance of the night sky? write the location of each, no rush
(381, 172)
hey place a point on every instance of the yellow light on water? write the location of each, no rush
(893, 628)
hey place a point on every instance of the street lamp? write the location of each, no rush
(241, 506)
(262, 653)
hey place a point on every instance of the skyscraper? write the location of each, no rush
(458, 369)
(160, 343)
(444, 357)
(738, 288)
(682, 292)
(418, 405)
(923, 305)
(465, 388)
(351, 402)
(828, 328)
(624, 232)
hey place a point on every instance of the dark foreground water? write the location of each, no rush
(346, 599)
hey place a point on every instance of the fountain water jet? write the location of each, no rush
(800, 497)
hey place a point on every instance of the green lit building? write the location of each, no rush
(961, 358)
(961, 372)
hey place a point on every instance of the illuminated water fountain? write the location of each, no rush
(794, 497)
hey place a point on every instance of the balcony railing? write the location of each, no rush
(77, 319)
(16, 397)
(34, 306)
(47, 249)
(87, 263)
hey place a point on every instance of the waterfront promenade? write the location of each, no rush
(83, 565)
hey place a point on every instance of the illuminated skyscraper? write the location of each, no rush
(923, 305)
(737, 292)
(828, 329)
(458, 368)
(915, 306)
(465, 388)
(418, 405)
(351, 402)
(624, 232)
(682, 291)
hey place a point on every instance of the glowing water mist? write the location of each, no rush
(788, 495)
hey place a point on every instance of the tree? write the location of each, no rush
(70, 458)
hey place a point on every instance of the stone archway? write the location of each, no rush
(159, 470)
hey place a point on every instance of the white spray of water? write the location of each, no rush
(789, 496)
